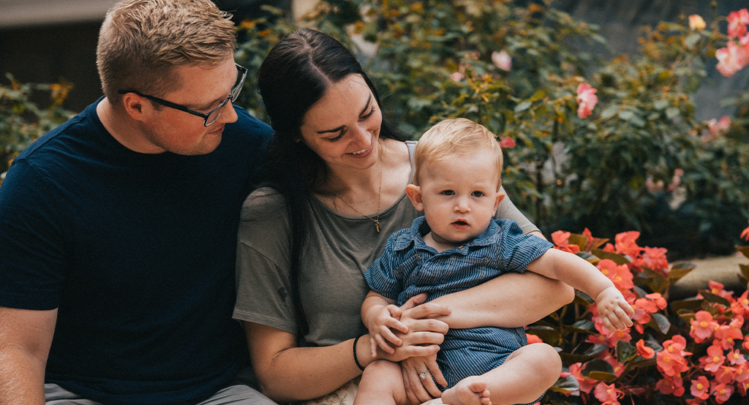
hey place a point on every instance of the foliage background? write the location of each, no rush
(614, 170)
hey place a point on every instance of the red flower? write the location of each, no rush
(625, 243)
(702, 326)
(560, 239)
(727, 335)
(721, 392)
(719, 289)
(608, 394)
(671, 385)
(644, 351)
(736, 358)
(507, 142)
(618, 367)
(654, 259)
(700, 388)
(586, 385)
(609, 248)
(586, 100)
(745, 235)
(533, 339)
(725, 375)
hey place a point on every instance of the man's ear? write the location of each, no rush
(134, 106)
(500, 197)
(414, 193)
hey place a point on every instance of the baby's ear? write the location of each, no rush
(414, 193)
(500, 197)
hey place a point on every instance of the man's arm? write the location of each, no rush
(25, 340)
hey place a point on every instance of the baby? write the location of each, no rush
(457, 245)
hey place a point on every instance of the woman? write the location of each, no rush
(337, 178)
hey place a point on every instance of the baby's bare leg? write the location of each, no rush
(381, 383)
(523, 377)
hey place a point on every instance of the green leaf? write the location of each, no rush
(522, 106)
(546, 333)
(689, 305)
(566, 385)
(537, 95)
(692, 40)
(609, 111)
(710, 297)
(656, 281)
(569, 358)
(672, 112)
(614, 257)
(624, 351)
(582, 298)
(659, 322)
(598, 370)
(680, 270)
(579, 240)
(626, 115)
(596, 349)
(661, 104)
(744, 270)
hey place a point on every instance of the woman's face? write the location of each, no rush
(344, 125)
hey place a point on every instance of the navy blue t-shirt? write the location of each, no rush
(137, 252)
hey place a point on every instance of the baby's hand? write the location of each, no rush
(614, 310)
(380, 321)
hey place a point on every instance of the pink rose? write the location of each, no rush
(456, 77)
(587, 100)
(732, 58)
(737, 21)
(502, 60)
(696, 22)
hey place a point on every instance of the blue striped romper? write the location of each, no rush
(409, 267)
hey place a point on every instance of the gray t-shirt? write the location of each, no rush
(338, 251)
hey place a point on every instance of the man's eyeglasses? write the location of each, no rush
(211, 116)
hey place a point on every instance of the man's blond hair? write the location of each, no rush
(141, 41)
(456, 136)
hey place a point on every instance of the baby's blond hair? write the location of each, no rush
(455, 136)
(141, 41)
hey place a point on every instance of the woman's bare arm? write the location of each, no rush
(289, 373)
(508, 301)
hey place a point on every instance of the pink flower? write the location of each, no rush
(700, 388)
(737, 21)
(586, 385)
(502, 60)
(625, 243)
(560, 239)
(721, 392)
(506, 142)
(745, 235)
(696, 22)
(608, 394)
(671, 385)
(718, 127)
(456, 77)
(587, 100)
(731, 59)
(702, 326)
(713, 360)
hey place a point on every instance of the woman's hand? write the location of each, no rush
(420, 390)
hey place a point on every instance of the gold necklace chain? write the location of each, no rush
(379, 196)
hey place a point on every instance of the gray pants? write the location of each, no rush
(235, 394)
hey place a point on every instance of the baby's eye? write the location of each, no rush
(477, 194)
(447, 192)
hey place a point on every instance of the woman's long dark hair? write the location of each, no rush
(294, 76)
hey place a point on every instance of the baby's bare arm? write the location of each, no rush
(571, 269)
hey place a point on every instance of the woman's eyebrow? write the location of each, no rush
(327, 131)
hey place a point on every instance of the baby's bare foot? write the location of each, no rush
(469, 391)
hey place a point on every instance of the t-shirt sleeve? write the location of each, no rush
(264, 293)
(508, 210)
(515, 251)
(33, 264)
(381, 276)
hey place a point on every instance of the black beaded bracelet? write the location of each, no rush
(356, 359)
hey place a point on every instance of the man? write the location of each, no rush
(118, 229)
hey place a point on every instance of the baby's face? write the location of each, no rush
(459, 196)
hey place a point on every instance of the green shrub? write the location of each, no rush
(434, 59)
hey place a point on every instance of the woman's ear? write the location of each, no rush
(414, 194)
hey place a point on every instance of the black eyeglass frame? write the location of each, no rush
(233, 97)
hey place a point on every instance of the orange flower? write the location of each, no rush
(742, 372)
(745, 233)
(586, 385)
(670, 360)
(696, 22)
(727, 335)
(644, 351)
(560, 239)
(533, 339)
(654, 259)
(700, 388)
(725, 375)
(671, 385)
